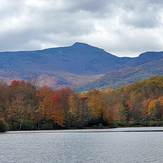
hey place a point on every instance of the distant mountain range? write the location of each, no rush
(80, 66)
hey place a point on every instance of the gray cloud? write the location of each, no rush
(125, 27)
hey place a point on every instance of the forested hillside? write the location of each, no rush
(25, 106)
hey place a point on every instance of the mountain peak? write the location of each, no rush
(81, 45)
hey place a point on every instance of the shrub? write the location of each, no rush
(3, 125)
(27, 125)
(46, 125)
(120, 124)
(153, 123)
(13, 125)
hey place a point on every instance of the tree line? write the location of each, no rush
(24, 106)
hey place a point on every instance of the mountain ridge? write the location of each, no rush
(78, 44)
(80, 66)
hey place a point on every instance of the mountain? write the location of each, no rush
(142, 67)
(80, 66)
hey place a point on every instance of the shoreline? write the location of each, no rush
(111, 130)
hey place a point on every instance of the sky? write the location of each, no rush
(121, 27)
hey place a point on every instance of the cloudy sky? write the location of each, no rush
(122, 27)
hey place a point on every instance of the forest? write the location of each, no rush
(24, 106)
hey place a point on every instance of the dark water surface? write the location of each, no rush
(124, 145)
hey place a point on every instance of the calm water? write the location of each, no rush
(83, 146)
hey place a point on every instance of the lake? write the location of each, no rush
(124, 145)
